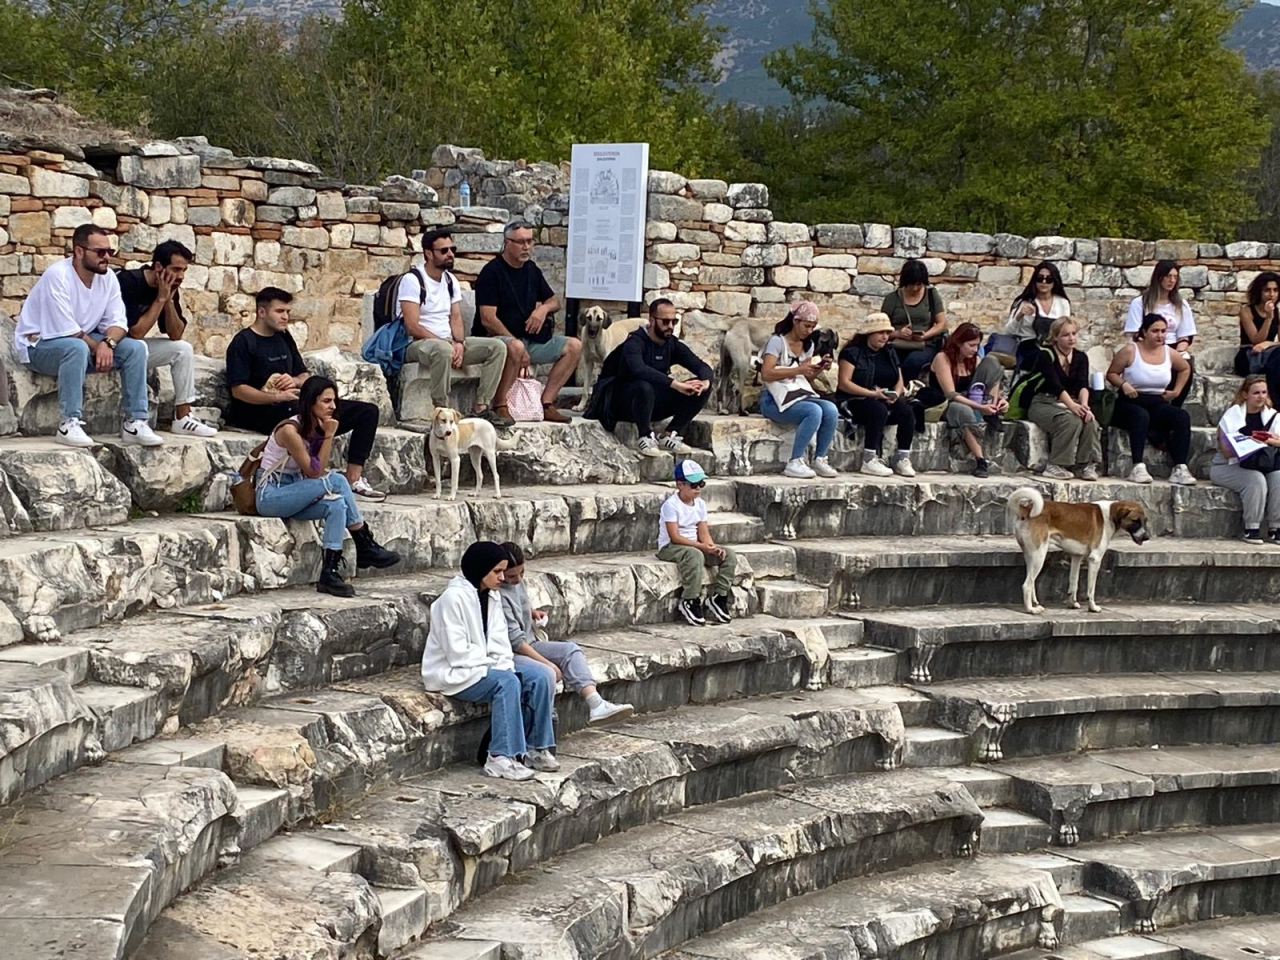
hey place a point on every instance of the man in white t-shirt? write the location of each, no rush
(429, 298)
(73, 323)
(685, 540)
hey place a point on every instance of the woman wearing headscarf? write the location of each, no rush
(468, 656)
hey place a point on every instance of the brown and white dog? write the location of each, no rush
(1083, 531)
(600, 335)
(451, 433)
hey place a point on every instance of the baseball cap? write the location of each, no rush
(690, 471)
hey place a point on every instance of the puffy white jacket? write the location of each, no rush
(458, 653)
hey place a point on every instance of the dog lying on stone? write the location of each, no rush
(1083, 531)
(450, 434)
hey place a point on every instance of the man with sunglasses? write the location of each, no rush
(636, 385)
(74, 323)
(515, 303)
(429, 305)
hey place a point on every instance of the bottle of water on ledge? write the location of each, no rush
(464, 194)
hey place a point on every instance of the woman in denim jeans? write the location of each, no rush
(294, 482)
(787, 370)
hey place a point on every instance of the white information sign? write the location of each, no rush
(608, 195)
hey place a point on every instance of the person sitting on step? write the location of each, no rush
(151, 301)
(635, 384)
(265, 373)
(1163, 297)
(429, 299)
(1061, 408)
(919, 319)
(1260, 331)
(293, 482)
(1251, 426)
(1041, 302)
(1150, 376)
(871, 394)
(788, 368)
(685, 540)
(515, 303)
(564, 659)
(971, 389)
(468, 655)
(72, 323)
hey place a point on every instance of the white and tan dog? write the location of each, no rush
(1083, 531)
(600, 335)
(451, 433)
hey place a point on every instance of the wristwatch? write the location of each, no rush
(111, 344)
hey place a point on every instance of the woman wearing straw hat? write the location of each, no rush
(870, 393)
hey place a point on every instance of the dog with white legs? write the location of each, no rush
(450, 434)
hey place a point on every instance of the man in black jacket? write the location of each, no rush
(636, 385)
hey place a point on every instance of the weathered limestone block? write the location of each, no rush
(717, 213)
(1120, 253)
(673, 252)
(664, 206)
(159, 478)
(909, 241)
(45, 729)
(1247, 250)
(1050, 248)
(13, 519)
(583, 452)
(943, 241)
(159, 172)
(743, 231)
(63, 489)
(356, 379)
(747, 195)
(764, 255)
(828, 280)
(1012, 246)
(662, 181)
(49, 183)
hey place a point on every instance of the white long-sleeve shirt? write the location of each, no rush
(1181, 323)
(1024, 327)
(459, 651)
(60, 305)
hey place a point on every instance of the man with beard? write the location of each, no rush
(429, 299)
(74, 323)
(636, 384)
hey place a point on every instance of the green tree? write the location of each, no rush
(1109, 117)
(1265, 180)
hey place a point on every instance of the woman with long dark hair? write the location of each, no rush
(1260, 331)
(787, 370)
(295, 482)
(1163, 297)
(1149, 375)
(919, 319)
(1042, 301)
(971, 389)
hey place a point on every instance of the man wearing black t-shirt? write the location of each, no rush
(515, 303)
(265, 371)
(150, 296)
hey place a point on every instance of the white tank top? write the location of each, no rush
(1149, 377)
(276, 460)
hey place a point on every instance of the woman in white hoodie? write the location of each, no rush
(1246, 431)
(468, 656)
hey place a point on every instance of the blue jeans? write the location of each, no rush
(295, 497)
(810, 417)
(70, 360)
(519, 708)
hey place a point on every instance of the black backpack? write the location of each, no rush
(386, 306)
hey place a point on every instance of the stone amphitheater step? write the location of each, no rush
(1107, 793)
(1032, 717)
(960, 642)
(452, 833)
(1243, 938)
(869, 573)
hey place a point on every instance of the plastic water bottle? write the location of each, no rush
(464, 194)
(978, 393)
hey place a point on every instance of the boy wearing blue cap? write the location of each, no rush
(685, 540)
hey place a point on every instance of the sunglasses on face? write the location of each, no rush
(1044, 278)
(100, 252)
(697, 486)
(446, 250)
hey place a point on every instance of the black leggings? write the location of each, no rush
(641, 402)
(355, 417)
(874, 415)
(1150, 412)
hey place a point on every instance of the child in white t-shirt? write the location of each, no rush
(685, 540)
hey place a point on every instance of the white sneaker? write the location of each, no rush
(648, 446)
(1140, 474)
(903, 468)
(71, 434)
(606, 712)
(823, 468)
(875, 467)
(363, 488)
(1055, 472)
(506, 768)
(139, 433)
(798, 470)
(189, 426)
(674, 443)
(1090, 472)
(544, 761)
(1182, 475)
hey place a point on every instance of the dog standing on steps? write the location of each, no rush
(450, 433)
(1081, 530)
(600, 335)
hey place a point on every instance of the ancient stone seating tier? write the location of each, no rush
(201, 758)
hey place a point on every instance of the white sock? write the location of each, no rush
(868, 456)
(594, 700)
(902, 454)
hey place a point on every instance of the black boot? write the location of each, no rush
(370, 553)
(331, 581)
